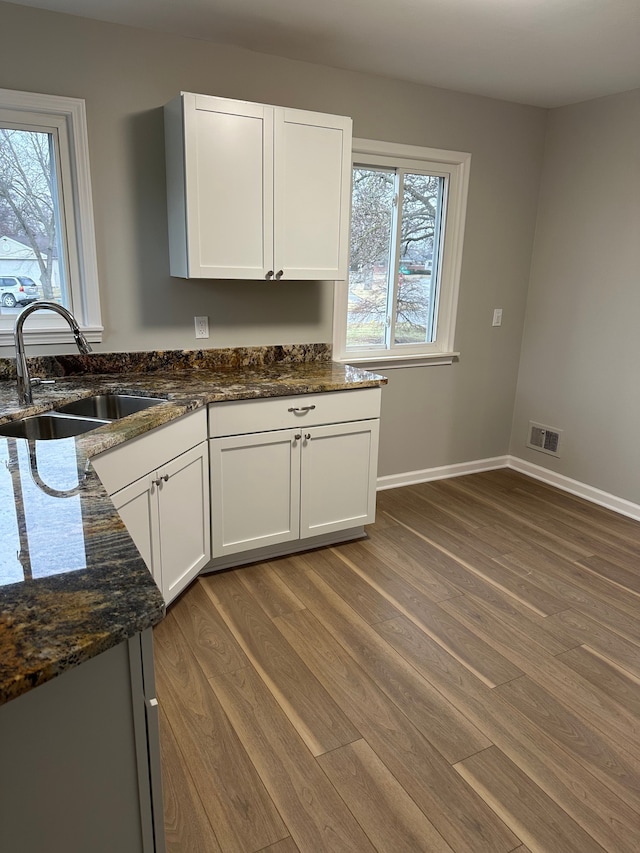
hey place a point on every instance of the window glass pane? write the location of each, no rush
(370, 258)
(419, 251)
(31, 260)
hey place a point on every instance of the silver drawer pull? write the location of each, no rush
(301, 409)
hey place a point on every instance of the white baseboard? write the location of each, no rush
(410, 478)
(575, 487)
(566, 484)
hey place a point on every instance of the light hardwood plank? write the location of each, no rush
(493, 552)
(467, 511)
(448, 730)
(530, 813)
(574, 629)
(385, 553)
(318, 720)
(589, 527)
(236, 802)
(587, 800)
(484, 489)
(627, 579)
(491, 570)
(597, 753)
(440, 564)
(580, 590)
(265, 586)
(207, 635)
(592, 704)
(615, 682)
(451, 806)
(471, 651)
(186, 825)
(287, 845)
(316, 816)
(364, 598)
(382, 807)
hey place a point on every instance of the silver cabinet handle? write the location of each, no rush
(301, 409)
(307, 436)
(279, 275)
(297, 437)
(269, 275)
(159, 481)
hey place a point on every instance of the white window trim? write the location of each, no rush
(49, 328)
(456, 165)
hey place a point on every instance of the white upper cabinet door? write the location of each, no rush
(256, 191)
(229, 168)
(221, 206)
(312, 185)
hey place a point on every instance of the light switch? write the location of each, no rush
(497, 317)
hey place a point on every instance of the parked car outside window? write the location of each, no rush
(17, 289)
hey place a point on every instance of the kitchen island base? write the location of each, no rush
(80, 759)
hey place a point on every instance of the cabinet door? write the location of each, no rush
(255, 490)
(312, 185)
(183, 518)
(229, 187)
(138, 509)
(338, 477)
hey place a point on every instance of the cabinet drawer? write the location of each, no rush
(123, 464)
(238, 417)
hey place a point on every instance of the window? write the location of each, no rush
(407, 222)
(47, 242)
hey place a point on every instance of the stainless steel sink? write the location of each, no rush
(111, 407)
(49, 426)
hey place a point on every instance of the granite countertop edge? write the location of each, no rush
(52, 624)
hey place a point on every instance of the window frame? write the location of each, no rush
(67, 118)
(455, 167)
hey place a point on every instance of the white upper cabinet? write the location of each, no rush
(255, 191)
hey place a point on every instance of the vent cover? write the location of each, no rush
(544, 438)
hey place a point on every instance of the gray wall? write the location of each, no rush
(581, 346)
(431, 416)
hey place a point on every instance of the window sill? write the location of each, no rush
(391, 362)
(61, 336)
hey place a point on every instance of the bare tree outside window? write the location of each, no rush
(29, 206)
(395, 235)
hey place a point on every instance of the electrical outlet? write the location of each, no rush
(497, 317)
(202, 327)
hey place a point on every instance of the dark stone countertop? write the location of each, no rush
(72, 583)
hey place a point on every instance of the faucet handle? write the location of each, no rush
(36, 380)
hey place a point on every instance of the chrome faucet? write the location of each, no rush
(25, 395)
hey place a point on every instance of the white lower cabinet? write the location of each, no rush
(283, 485)
(255, 491)
(81, 759)
(338, 475)
(167, 516)
(166, 510)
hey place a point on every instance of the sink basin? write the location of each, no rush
(49, 426)
(111, 407)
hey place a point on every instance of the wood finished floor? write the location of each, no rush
(466, 679)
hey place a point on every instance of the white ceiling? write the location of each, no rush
(542, 52)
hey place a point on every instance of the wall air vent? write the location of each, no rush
(544, 438)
